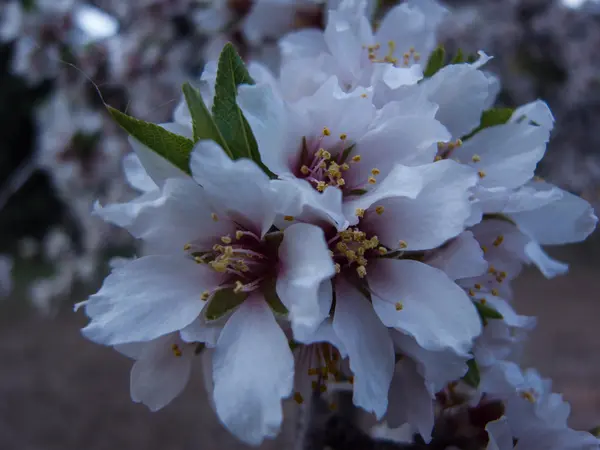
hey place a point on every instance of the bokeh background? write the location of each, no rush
(59, 152)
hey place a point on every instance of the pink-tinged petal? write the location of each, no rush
(148, 298)
(440, 211)
(460, 258)
(240, 188)
(410, 400)
(161, 372)
(305, 264)
(369, 347)
(422, 301)
(253, 370)
(572, 218)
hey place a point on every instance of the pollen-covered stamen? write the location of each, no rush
(319, 364)
(244, 259)
(352, 249)
(446, 149)
(407, 57)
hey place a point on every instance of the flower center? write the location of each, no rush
(409, 57)
(319, 364)
(244, 258)
(325, 167)
(352, 249)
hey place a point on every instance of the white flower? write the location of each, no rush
(349, 49)
(332, 147)
(501, 438)
(209, 247)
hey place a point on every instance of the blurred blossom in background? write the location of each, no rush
(61, 60)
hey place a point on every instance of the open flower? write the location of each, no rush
(211, 259)
(332, 147)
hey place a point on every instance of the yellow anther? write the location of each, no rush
(225, 239)
(498, 240)
(359, 212)
(326, 132)
(484, 249)
(363, 95)
(326, 155)
(288, 218)
(492, 270)
(495, 292)
(176, 350)
(304, 170)
(198, 260)
(372, 180)
(341, 182)
(375, 171)
(361, 260)
(399, 306)
(186, 247)
(344, 167)
(471, 293)
(502, 274)
(239, 234)
(343, 136)
(458, 143)
(312, 372)
(528, 395)
(338, 268)
(481, 174)
(321, 186)
(417, 57)
(298, 398)
(379, 210)
(475, 158)
(437, 158)
(356, 158)
(205, 295)
(477, 286)
(214, 216)
(219, 266)
(361, 271)
(351, 255)
(402, 244)
(382, 250)
(341, 246)
(361, 252)
(323, 388)
(483, 301)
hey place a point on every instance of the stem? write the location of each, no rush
(16, 181)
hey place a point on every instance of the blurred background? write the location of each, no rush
(60, 152)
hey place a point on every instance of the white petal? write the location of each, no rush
(200, 330)
(125, 215)
(369, 347)
(158, 376)
(537, 112)
(461, 258)
(500, 435)
(147, 298)
(305, 264)
(506, 155)
(267, 116)
(301, 44)
(410, 400)
(181, 215)
(572, 220)
(435, 310)
(239, 187)
(439, 212)
(461, 91)
(253, 370)
(550, 267)
(136, 175)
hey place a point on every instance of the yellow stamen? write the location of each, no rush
(214, 217)
(298, 398)
(304, 170)
(476, 158)
(288, 218)
(359, 212)
(225, 239)
(379, 210)
(356, 158)
(402, 244)
(361, 271)
(176, 350)
(481, 174)
(399, 306)
(326, 132)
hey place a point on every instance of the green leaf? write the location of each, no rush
(472, 377)
(202, 121)
(222, 302)
(28, 5)
(357, 192)
(174, 148)
(487, 312)
(458, 58)
(227, 115)
(595, 431)
(270, 292)
(491, 118)
(435, 63)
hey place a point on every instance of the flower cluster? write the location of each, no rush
(353, 220)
